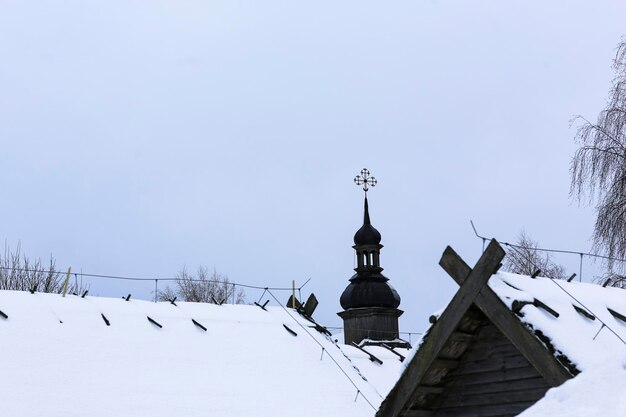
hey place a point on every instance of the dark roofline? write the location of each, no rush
(473, 290)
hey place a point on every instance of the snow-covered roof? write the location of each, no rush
(60, 358)
(590, 331)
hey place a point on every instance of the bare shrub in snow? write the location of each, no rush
(526, 259)
(203, 287)
(612, 279)
(19, 272)
(598, 169)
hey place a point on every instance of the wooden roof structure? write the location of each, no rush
(478, 359)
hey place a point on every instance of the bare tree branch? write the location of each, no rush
(526, 259)
(204, 287)
(19, 272)
(598, 168)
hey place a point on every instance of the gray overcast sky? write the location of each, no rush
(141, 136)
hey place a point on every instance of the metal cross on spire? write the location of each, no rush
(365, 180)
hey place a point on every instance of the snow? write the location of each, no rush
(598, 350)
(59, 358)
(594, 393)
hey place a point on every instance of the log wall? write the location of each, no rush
(491, 379)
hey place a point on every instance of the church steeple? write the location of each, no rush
(368, 287)
(366, 213)
(369, 302)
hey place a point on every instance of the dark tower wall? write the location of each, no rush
(372, 323)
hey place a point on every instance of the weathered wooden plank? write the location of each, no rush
(445, 363)
(468, 325)
(486, 352)
(492, 364)
(487, 342)
(515, 385)
(428, 389)
(439, 333)
(453, 349)
(508, 410)
(421, 400)
(494, 398)
(489, 332)
(481, 366)
(418, 413)
(435, 376)
(490, 352)
(529, 345)
(500, 375)
(461, 336)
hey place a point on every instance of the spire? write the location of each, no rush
(367, 234)
(366, 213)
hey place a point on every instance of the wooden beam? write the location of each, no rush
(504, 319)
(429, 389)
(460, 336)
(474, 282)
(418, 413)
(445, 363)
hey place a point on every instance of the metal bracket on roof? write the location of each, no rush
(518, 305)
(106, 321)
(536, 273)
(3, 315)
(511, 285)
(127, 298)
(151, 320)
(34, 289)
(389, 348)
(305, 309)
(293, 302)
(262, 306)
(219, 303)
(617, 315)
(198, 324)
(371, 357)
(584, 312)
(84, 294)
(173, 301)
(322, 329)
(289, 330)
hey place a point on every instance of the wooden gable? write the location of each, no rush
(477, 359)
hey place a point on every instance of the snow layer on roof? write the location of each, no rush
(59, 358)
(595, 346)
(573, 333)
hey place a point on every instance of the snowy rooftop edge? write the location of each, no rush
(62, 351)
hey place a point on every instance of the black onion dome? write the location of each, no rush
(367, 234)
(369, 294)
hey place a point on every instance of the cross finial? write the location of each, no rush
(365, 180)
